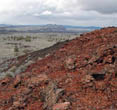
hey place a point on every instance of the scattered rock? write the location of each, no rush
(87, 79)
(5, 81)
(70, 63)
(61, 106)
(35, 80)
(51, 95)
(17, 81)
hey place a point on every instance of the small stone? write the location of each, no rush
(17, 81)
(70, 63)
(16, 104)
(61, 106)
(108, 59)
(87, 79)
(4, 81)
(27, 91)
(38, 79)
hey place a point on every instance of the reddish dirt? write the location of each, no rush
(81, 75)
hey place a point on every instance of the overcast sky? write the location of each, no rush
(69, 12)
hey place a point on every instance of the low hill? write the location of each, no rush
(81, 74)
(5, 29)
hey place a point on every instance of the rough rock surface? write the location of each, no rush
(81, 75)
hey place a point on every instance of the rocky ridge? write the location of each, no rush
(81, 75)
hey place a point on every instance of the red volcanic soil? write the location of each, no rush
(81, 75)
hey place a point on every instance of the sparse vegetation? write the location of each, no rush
(28, 39)
(16, 49)
(16, 44)
(9, 74)
(115, 31)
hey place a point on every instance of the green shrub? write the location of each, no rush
(10, 75)
(16, 49)
(28, 39)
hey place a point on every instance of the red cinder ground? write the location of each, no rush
(81, 75)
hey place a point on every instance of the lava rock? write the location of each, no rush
(61, 106)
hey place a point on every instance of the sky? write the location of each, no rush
(64, 12)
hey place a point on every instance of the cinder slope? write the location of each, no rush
(82, 75)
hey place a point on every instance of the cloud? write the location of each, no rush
(73, 12)
(46, 12)
(101, 6)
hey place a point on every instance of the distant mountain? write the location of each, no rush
(7, 28)
(82, 27)
(51, 26)
(5, 25)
